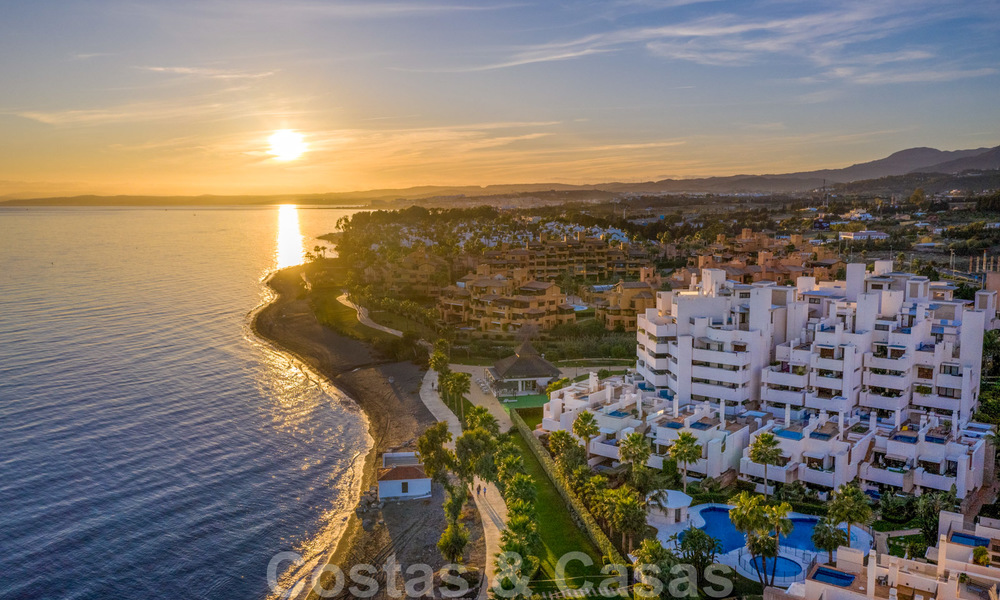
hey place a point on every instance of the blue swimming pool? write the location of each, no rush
(967, 539)
(828, 575)
(618, 413)
(784, 568)
(718, 525)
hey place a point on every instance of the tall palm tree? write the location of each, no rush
(685, 450)
(849, 505)
(635, 449)
(585, 427)
(630, 517)
(765, 450)
(461, 386)
(749, 518)
(827, 536)
(777, 519)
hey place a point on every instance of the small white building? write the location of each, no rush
(867, 234)
(402, 477)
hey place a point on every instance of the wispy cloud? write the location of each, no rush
(209, 73)
(827, 37)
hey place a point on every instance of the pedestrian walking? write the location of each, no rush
(478, 487)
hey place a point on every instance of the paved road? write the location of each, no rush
(480, 398)
(364, 319)
(492, 509)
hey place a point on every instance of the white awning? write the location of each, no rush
(815, 455)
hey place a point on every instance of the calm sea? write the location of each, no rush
(150, 446)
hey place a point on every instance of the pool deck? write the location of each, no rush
(739, 560)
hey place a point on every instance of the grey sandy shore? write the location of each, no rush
(388, 393)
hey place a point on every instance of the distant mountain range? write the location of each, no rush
(901, 168)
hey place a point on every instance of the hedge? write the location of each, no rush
(575, 505)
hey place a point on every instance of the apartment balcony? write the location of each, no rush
(741, 376)
(890, 364)
(873, 400)
(816, 476)
(950, 381)
(739, 359)
(933, 480)
(783, 396)
(605, 448)
(660, 364)
(901, 478)
(830, 364)
(895, 382)
(826, 382)
(935, 401)
(718, 391)
(785, 474)
(836, 404)
(775, 376)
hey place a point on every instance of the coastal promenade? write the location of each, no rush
(364, 319)
(491, 506)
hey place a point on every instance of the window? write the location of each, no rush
(949, 392)
(739, 347)
(744, 294)
(925, 373)
(405, 487)
(814, 301)
(951, 370)
(881, 327)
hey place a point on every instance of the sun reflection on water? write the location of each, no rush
(290, 250)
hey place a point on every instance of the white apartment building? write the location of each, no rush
(711, 342)
(874, 378)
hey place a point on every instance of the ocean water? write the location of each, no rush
(150, 445)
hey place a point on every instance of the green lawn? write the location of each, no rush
(404, 324)
(559, 534)
(897, 545)
(341, 318)
(532, 401)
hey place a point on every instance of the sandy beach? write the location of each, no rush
(396, 417)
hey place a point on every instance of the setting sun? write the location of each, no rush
(286, 144)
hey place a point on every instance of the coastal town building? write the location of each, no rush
(864, 235)
(418, 273)
(402, 477)
(487, 303)
(618, 306)
(591, 258)
(874, 378)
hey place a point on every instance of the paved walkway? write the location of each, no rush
(480, 398)
(365, 320)
(492, 509)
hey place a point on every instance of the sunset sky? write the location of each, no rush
(182, 96)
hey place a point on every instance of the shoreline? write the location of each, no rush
(394, 415)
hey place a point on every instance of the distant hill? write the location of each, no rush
(896, 165)
(985, 161)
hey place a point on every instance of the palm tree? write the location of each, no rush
(461, 385)
(749, 518)
(685, 450)
(849, 505)
(777, 519)
(827, 536)
(585, 427)
(439, 362)
(479, 417)
(559, 441)
(629, 516)
(520, 487)
(635, 449)
(765, 450)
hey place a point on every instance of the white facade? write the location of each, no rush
(875, 377)
(402, 477)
